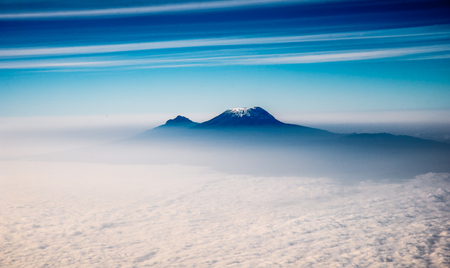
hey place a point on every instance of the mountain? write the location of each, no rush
(255, 127)
(252, 141)
(248, 125)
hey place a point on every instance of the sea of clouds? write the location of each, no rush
(70, 214)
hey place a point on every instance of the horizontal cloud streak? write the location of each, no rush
(246, 50)
(192, 6)
(349, 56)
(212, 60)
(214, 42)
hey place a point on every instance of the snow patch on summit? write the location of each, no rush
(240, 111)
(255, 112)
(242, 117)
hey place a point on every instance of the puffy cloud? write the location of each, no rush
(78, 214)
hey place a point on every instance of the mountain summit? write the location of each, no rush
(179, 121)
(242, 117)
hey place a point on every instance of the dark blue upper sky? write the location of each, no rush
(116, 57)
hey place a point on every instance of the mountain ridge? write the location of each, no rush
(277, 149)
(236, 123)
(254, 125)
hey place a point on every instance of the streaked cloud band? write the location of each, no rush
(241, 50)
(124, 11)
(212, 60)
(212, 42)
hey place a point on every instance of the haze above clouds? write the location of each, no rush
(27, 136)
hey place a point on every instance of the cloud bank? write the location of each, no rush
(73, 214)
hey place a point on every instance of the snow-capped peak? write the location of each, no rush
(242, 117)
(240, 111)
(255, 112)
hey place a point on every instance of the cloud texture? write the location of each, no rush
(73, 214)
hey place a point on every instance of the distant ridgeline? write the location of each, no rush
(251, 140)
(252, 124)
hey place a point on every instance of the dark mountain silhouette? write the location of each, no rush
(252, 125)
(255, 125)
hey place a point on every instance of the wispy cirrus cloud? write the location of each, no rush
(154, 9)
(210, 59)
(420, 33)
(355, 55)
(246, 50)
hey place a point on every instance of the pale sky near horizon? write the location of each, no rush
(188, 57)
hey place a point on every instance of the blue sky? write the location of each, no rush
(143, 57)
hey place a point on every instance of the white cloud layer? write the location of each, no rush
(74, 214)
